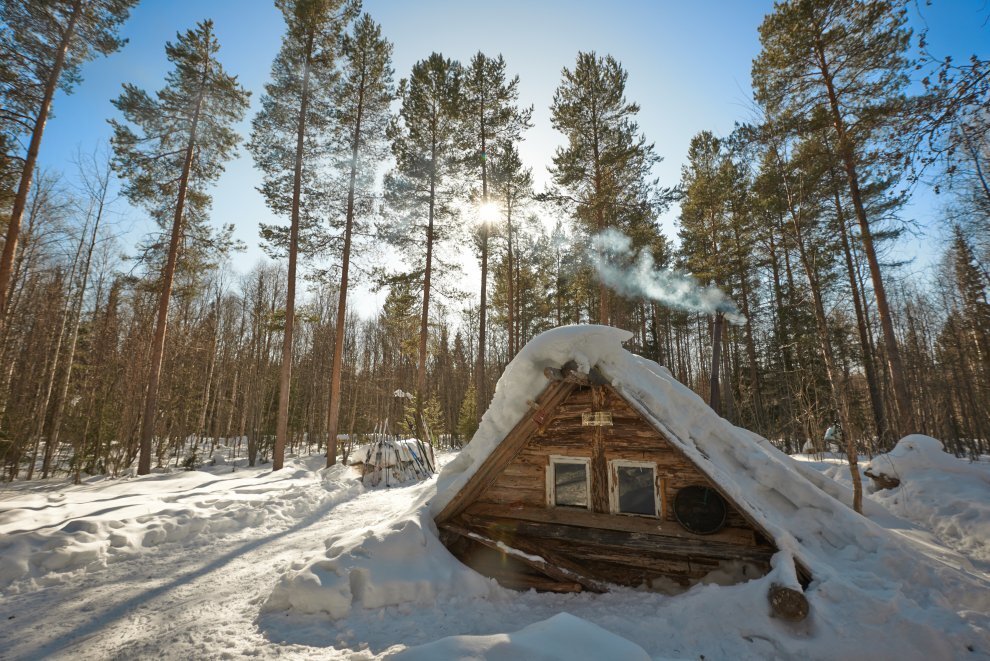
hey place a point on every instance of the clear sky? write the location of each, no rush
(688, 65)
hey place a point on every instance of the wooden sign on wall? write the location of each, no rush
(596, 419)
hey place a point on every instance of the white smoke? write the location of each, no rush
(641, 279)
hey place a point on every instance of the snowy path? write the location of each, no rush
(186, 601)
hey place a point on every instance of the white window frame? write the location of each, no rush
(613, 486)
(552, 482)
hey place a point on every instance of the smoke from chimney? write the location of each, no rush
(612, 254)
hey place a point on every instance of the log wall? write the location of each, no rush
(589, 546)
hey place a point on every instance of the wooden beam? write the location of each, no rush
(581, 518)
(537, 562)
(506, 451)
(615, 541)
(787, 603)
(599, 465)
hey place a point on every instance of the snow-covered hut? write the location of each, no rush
(594, 466)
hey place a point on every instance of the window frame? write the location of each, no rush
(552, 481)
(613, 487)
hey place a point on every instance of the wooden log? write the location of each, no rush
(537, 562)
(539, 583)
(787, 603)
(882, 480)
(583, 518)
(615, 541)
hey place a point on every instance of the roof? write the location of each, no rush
(801, 509)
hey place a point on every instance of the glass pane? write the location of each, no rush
(570, 485)
(636, 490)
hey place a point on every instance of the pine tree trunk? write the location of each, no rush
(902, 400)
(715, 392)
(333, 415)
(754, 371)
(481, 399)
(424, 327)
(831, 367)
(168, 276)
(872, 384)
(285, 374)
(509, 285)
(20, 200)
(479, 388)
(46, 393)
(21, 263)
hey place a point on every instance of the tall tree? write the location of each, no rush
(707, 182)
(426, 149)
(604, 170)
(513, 186)
(288, 142)
(183, 137)
(363, 97)
(43, 46)
(492, 120)
(848, 56)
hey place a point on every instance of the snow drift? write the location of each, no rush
(44, 536)
(398, 560)
(939, 492)
(563, 637)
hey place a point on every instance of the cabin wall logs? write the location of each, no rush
(620, 549)
(523, 482)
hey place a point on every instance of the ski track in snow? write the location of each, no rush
(183, 602)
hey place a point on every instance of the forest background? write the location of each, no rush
(737, 200)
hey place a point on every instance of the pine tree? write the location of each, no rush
(467, 419)
(363, 96)
(289, 145)
(706, 182)
(492, 120)
(43, 47)
(603, 174)
(972, 286)
(183, 138)
(425, 146)
(513, 186)
(849, 57)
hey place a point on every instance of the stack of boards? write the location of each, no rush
(393, 461)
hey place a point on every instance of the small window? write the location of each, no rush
(569, 482)
(633, 488)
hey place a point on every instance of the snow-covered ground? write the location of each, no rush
(216, 564)
(236, 562)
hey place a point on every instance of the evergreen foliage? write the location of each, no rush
(183, 137)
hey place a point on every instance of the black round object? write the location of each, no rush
(700, 509)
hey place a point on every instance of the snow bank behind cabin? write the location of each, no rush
(939, 492)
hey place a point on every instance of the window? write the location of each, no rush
(569, 482)
(633, 487)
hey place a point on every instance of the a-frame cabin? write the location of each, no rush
(587, 490)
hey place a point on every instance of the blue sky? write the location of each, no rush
(688, 64)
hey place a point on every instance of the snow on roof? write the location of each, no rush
(798, 507)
